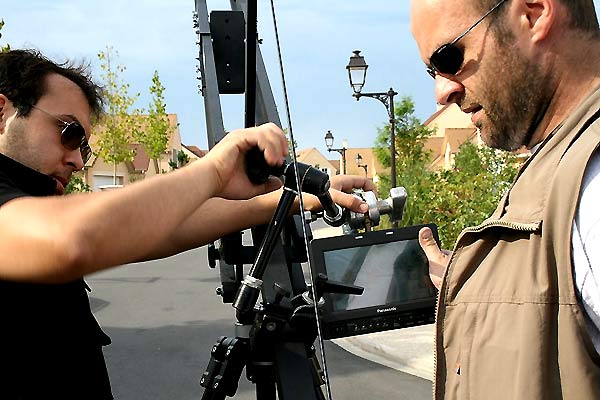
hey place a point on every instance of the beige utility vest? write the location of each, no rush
(509, 325)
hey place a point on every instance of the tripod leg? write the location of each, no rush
(265, 390)
(228, 357)
(296, 374)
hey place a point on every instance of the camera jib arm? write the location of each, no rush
(274, 340)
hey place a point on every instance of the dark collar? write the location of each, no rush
(26, 179)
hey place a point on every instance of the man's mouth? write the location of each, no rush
(61, 184)
(473, 110)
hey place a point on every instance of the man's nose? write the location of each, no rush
(447, 90)
(74, 159)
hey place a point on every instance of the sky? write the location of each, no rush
(317, 38)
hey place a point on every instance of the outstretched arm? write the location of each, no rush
(218, 217)
(58, 239)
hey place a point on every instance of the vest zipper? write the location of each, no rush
(524, 227)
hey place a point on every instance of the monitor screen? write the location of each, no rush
(392, 269)
(389, 272)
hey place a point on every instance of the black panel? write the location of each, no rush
(227, 29)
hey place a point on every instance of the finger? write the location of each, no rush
(346, 183)
(349, 201)
(429, 245)
(271, 139)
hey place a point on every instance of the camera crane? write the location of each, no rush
(274, 339)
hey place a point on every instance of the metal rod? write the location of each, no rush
(250, 99)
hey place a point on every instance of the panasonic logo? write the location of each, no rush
(384, 310)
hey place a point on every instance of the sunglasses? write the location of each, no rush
(449, 58)
(72, 136)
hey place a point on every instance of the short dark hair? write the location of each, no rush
(582, 14)
(23, 79)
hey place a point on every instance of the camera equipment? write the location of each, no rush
(393, 206)
(275, 337)
(393, 270)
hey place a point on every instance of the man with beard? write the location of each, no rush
(50, 343)
(519, 302)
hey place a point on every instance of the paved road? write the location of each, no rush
(164, 317)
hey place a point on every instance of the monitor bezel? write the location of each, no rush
(319, 246)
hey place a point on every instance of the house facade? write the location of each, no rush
(452, 128)
(99, 174)
(312, 156)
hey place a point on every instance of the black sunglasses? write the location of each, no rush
(72, 136)
(449, 58)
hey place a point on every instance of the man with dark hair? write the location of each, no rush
(519, 300)
(50, 343)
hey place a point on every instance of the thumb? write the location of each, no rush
(429, 245)
(349, 201)
(272, 184)
(438, 260)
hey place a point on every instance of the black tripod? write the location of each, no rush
(275, 340)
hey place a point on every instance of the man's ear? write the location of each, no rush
(538, 17)
(5, 104)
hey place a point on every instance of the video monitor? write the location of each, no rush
(394, 272)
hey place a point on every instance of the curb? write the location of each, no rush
(409, 350)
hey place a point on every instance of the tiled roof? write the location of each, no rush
(196, 150)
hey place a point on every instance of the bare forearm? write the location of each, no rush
(216, 218)
(58, 239)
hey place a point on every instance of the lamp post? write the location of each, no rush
(342, 150)
(360, 164)
(357, 73)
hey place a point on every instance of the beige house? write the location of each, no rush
(369, 164)
(97, 173)
(452, 127)
(314, 157)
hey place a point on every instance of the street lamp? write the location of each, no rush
(342, 150)
(360, 164)
(357, 73)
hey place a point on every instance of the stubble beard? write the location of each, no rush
(517, 105)
(18, 146)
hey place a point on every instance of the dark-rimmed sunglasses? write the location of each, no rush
(449, 58)
(72, 136)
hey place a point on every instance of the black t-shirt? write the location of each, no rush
(50, 342)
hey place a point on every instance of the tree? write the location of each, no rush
(120, 123)
(182, 160)
(291, 144)
(468, 193)
(411, 157)
(155, 137)
(77, 185)
(6, 47)
(453, 199)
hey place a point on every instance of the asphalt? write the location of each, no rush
(409, 350)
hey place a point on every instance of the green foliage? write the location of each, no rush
(182, 160)
(77, 185)
(291, 144)
(411, 158)
(135, 177)
(120, 123)
(469, 192)
(453, 199)
(155, 137)
(6, 47)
